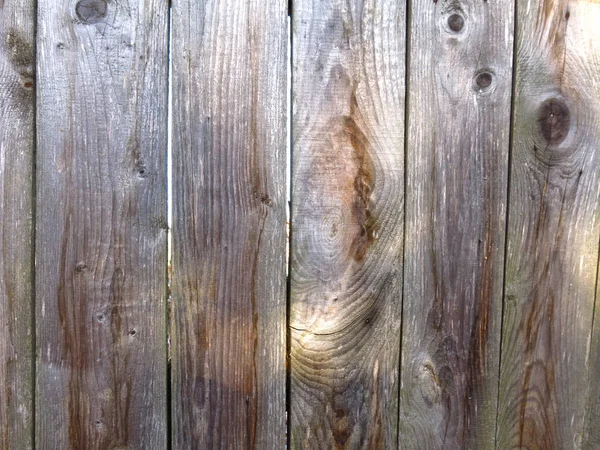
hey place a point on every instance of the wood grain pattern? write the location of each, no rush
(229, 231)
(347, 222)
(459, 95)
(553, 227)
(101, 224)
(17, 61)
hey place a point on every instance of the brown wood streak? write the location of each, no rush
(363, 183)
(538, 320)
(477, 355)
(17, 99)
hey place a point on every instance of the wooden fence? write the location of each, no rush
(445, 224)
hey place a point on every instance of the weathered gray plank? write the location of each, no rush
(591, 432)
(228, 283)
(101, 228)
(17, 61)
(347, 222)
(553, 227)
(457, 164)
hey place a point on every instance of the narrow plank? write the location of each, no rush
(457, 168)
(553, 229)
(17, 137)
(591, 432)
(101, 228)
(347, 222)
(229, 231)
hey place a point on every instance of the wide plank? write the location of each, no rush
(347, 222)
(459, 95)
(17, 138)
(229, 224)
(101, 260)
(553, 229)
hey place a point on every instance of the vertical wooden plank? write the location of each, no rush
(17, 63)
(348, 183)
(228, 280)
(591, 432)
(457, 167)
(553, 226)
(101, 228)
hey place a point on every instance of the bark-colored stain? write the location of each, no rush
(362, 208)
(20, 54)
(554, 120)
(19, 49)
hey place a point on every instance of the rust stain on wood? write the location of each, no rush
(363, 183)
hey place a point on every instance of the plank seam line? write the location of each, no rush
(507, 218)
(169, 148)
(289, 172)
(33, 275)
(407, 64)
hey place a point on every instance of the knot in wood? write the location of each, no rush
(456, 22)
(483, 80)
(554, 120)
(91, 11)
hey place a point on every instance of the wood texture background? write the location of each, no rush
(463, 319)
(17, 136)
(101, 225)
(459, 94)
(553, 230)
(229, 231)
(347, 222)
